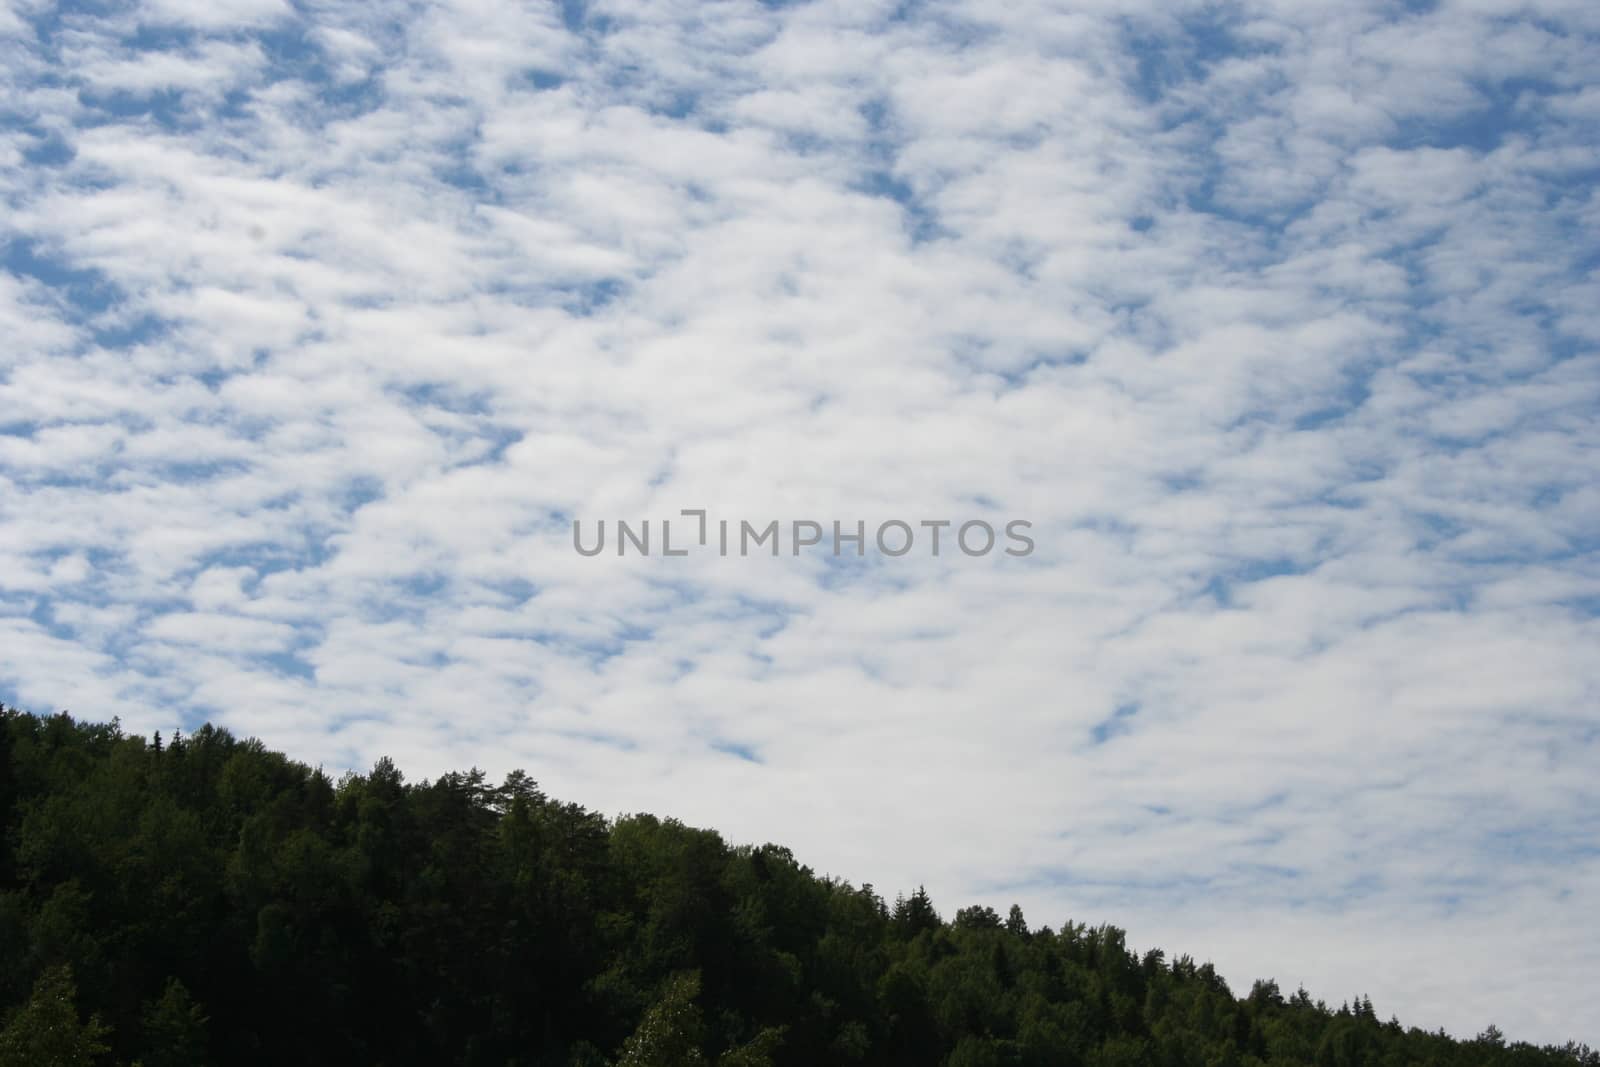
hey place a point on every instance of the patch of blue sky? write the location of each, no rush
(169, 109)
(596, 651)
(213, 378)
(918, 220)
(309, 549)
(676, 104)
(1571, 842)
(844, 570)
(49, 20)
(1261, 568)
(888, 574)
(146, 36)
(542, 80)
(16, 603)
(1048, 359)
(952, 26)
(459, 171)
(423, 585)
(1365, 884)
(11, 697)
(589, 297)
(102, 560)
(1114, 725)
(1363, 471)
(84, 290)
(580, 17)
(768, 618)
(1587, 604)
(1108, 525)
(1221, 584)
(746, 753)
(42, 614)
(260, 560)
(86, 296)
(509, 592)
(178, 471)
(1437, 529)
(87, 476)
(50, 149)
(17, 425)
(446, 396)
(292, 54)
(976, 353)
(138, 328)
(1502, 111)
(1332, 407)
(580, 297)
(1183, 481)
(287, 665)
(131, 649)
(1164, 61)
(575, 15)
(358, 492)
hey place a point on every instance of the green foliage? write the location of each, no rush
(758, 1052)
(670, 1033)
(46, 1031)
(174, 1030)
(381, 921)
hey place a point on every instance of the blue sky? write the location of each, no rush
(1278, 320)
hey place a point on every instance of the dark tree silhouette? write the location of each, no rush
(209, 901)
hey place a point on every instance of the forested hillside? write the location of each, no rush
(205, 901)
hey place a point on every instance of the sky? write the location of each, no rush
(321, 324)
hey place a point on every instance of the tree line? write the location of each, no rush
(203, 900)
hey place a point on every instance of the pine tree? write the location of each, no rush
(914, 914)
(174, 1030)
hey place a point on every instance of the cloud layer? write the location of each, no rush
(1278, 320)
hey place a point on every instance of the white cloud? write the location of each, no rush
(1284, 345)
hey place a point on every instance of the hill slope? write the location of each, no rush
(208, 901)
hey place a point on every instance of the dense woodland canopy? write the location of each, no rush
(204, 900)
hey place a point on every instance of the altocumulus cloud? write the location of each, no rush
(1279, 321)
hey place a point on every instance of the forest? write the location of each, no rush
(203, 900)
